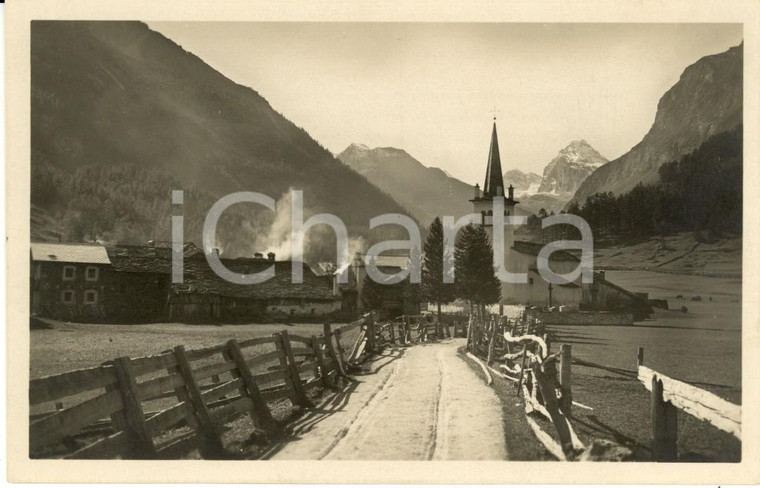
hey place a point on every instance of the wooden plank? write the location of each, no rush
(52, 429)
(299, 397)
(265, 358)
(702, 404)
(301, 339)
(105, 448)
(212, 369)
(196, 354)
(169, 417)
(302, 351)
(353, 325)
(140, 441)
(149, 364)
(155, 387)
(212, 445)
(256, 341)
(262, 415)
(232, 410)
(57, 386)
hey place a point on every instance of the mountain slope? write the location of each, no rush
(426, 192)
(705, 101)
(573, 164)
(109, 95)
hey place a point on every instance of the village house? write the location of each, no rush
(394, 301)
(96, 283)
(86, 283)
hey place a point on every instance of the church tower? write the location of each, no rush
(494, 187)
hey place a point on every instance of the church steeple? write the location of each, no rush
(494, 185)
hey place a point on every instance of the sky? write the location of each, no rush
(433, 89)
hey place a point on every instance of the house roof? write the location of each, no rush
(147, 259)
(69, 253)
(533, 248)
(200, 278)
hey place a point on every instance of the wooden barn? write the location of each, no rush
(204, 296)
(131, 284)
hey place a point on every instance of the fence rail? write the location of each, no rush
(107, 413)
(668, 395)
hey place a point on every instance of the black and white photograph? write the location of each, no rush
(369, 240)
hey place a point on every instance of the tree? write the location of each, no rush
(372, 294)
(476, 280)
(433, 286)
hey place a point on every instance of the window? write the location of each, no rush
(91, 273)
(90, 297)
(69, 273)
(530, 281)
(67, 297)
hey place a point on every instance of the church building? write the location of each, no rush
(521, 256)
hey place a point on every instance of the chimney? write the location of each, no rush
(477, 190)
(258, 255)
(270, 255)
(511, 192)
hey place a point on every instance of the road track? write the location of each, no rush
(418, 403)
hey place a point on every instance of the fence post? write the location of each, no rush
(323, 372)
(492, 344)
(260, 413)
(299, 394)
(640, 357)
(469, 334)
(212, 446)
(545, 375)
(566, 378)
(141, 442)
(664, 426)
(339, 345)
(331, 348)
(371, 332)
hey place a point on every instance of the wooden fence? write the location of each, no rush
(520, 352)
(108, 413)
(668, 396)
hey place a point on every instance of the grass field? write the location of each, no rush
(702, 347)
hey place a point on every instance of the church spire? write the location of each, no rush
(494, 185)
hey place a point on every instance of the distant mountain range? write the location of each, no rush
(427, 192)
(561, 178)
(524, 183)
(705, 101)
(120, 115)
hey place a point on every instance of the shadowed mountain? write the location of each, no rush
(705, 101)
(120, 115)
(426, 192)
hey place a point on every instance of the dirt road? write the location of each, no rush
(417, 403)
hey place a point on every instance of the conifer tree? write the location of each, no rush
(476, 279)
(434, 289)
